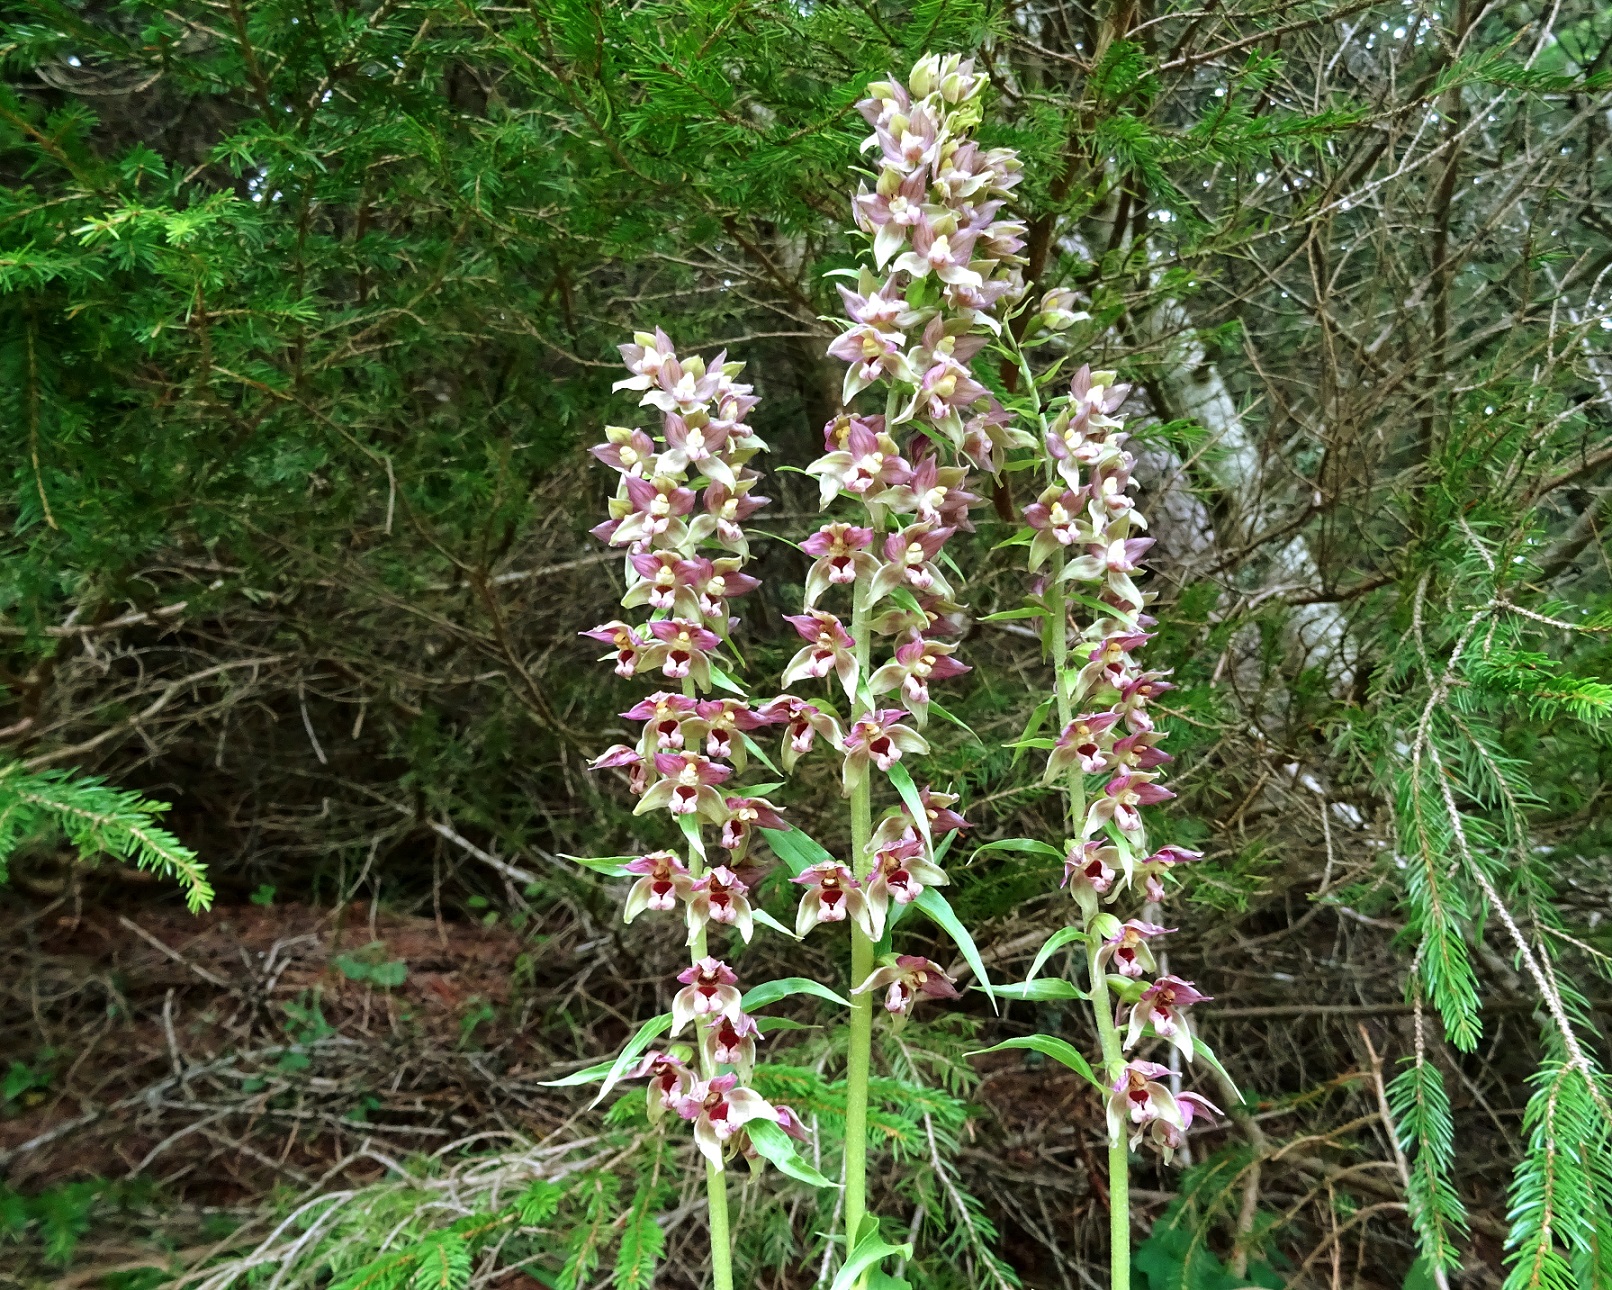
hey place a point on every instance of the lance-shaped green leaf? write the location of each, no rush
(871, 1249)
(1055, 942)
(755, 751)
(1011, 615)
(775, 1145)
(691, 831)
(902, 779)
(766, 1025)
(1039, 991)
(1037, 720)
(772, 991)
(955, 720)
(1024, 846)
(939, 909)
(612, 1071)
(767, 920)
(1203, 1050)
(795, 848)
(610, 866)
(1053, 1047)
(723, 681)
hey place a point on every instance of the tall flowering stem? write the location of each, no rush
(682, 498)
(1085, 538)
(942, 267)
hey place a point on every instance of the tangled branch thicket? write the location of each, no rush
(308, 313)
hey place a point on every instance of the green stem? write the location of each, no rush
(716, 1181)
(859, 1053)
(716, 1200)
(1119, 1168)
(1058, 624)
(1119, 1164)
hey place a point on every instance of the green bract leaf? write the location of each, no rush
(1201, 1049)
(723, 681)
(755, 751)
(1037, 720)
(939, 909)
(795, 848)
(871, 1249)
(1039, 991)
(902, 779)
(1053, 1047)
(1011, 615)
(610, 866)
(957, 721)
(767, 920)
(772, 991)
(776, 1145)
(691, 831)
(1055, 942)
(1026, 846)
(612, 1071)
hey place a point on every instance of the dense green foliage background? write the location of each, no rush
(306, 313)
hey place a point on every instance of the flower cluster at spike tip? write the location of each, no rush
(945, 267)
(678, 517)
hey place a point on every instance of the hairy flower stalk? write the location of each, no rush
(944, 265)
(677, 517)
(1086, 539)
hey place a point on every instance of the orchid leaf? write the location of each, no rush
(691, 831)
(906, 600)
(1040, 991)
(1050, 1046)
(1201, 1049)
(1055, 942)
(775, 1144)
(584, 1076)
(939, 909)
(610, 866)
(767, 920)
(755, 750)
(795, 848)
(768, 1024)
(1025, 845)
(647, 1034)
(871, 1249)
(957, 721)
(772, 991)
(723, 681)
(1010, 615)
(902, 779)
(1023, 537)
(1037, 720)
